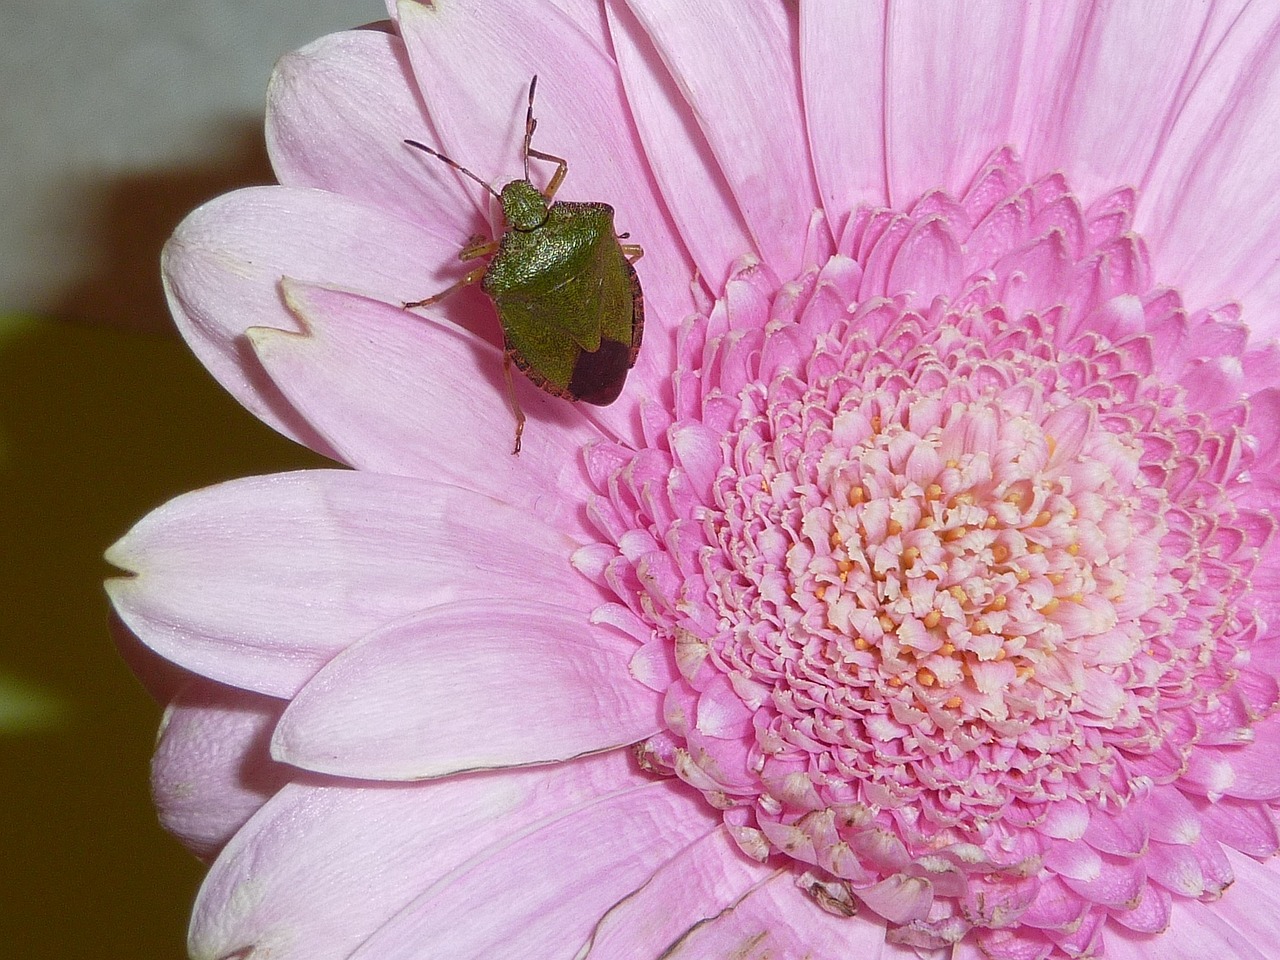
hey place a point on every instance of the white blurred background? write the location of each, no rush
(116, 116)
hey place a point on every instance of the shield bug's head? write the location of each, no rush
(523, 205)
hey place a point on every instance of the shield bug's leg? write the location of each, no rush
(479, 248)
(473, 277)
(562, 165)
(515, 404)
(562, 168)
(632, 251)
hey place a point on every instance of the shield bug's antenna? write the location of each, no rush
(530, 125)
(457, 166)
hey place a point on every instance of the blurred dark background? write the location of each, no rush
(119, 117)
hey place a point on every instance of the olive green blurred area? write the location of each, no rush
(97, 426)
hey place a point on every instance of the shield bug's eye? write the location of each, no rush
(563, 283)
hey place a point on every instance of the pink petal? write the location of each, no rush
(1243, 925)
(695, 189)
(1111, 111)
(572, 869)
(259, 582)
(949, 97)
(692, 887)
(734, 62)
(751, 928)
(1214, 195)
(211, 770)
(842, 66)
(321, 867)
(338, 112)
(1248, 772)
(473, 61)
(223, 265)
(401, 394)
(468, 686)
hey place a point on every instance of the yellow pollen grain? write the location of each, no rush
(1073, 549)
(959, 594)
(999, 553)
(1075, 597)
(909, 557)
(1021, 575)
(1050, 443)
(1023, 672)
(1055, 578)
(886, 624)
(947, 649)
(820, 591)
(932, 619)
(1042, 519)
(999, 603)
(1051, 606)
(954, 534)
(965, 499)
(844, 566)
(990, 523)
(932, 492)
(895, 681)
(835, 539)
(979, 628)
(860, 643)
(953, 703)
(1001, 654)
(953, 464)
(925, 677)
(1035, 548)
(857, 496)
(893, 527)
(875, 423)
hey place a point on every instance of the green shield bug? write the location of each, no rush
(567, 295)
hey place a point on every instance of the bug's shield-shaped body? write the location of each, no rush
(570, 303)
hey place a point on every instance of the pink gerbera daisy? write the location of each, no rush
(919, 595)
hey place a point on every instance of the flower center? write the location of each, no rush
(932, 571)
(922, 573)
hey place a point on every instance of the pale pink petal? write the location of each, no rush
(321, 867)
(844, 107)
(473, 62)
(212, 770)
(735, 63)
(693, 886)
(1243, 925)
(692, 183)
(578, 864)
(947, 106)
(402, 394)
(751, 928)
(338, 113)
(258, 582)
(1214, 195)
(223, 266)
(1113, 106)
(542, 684)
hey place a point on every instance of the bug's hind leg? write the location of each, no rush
(632, 251)
(472, 277)
(515, 404)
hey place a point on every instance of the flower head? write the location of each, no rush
(916, 597)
